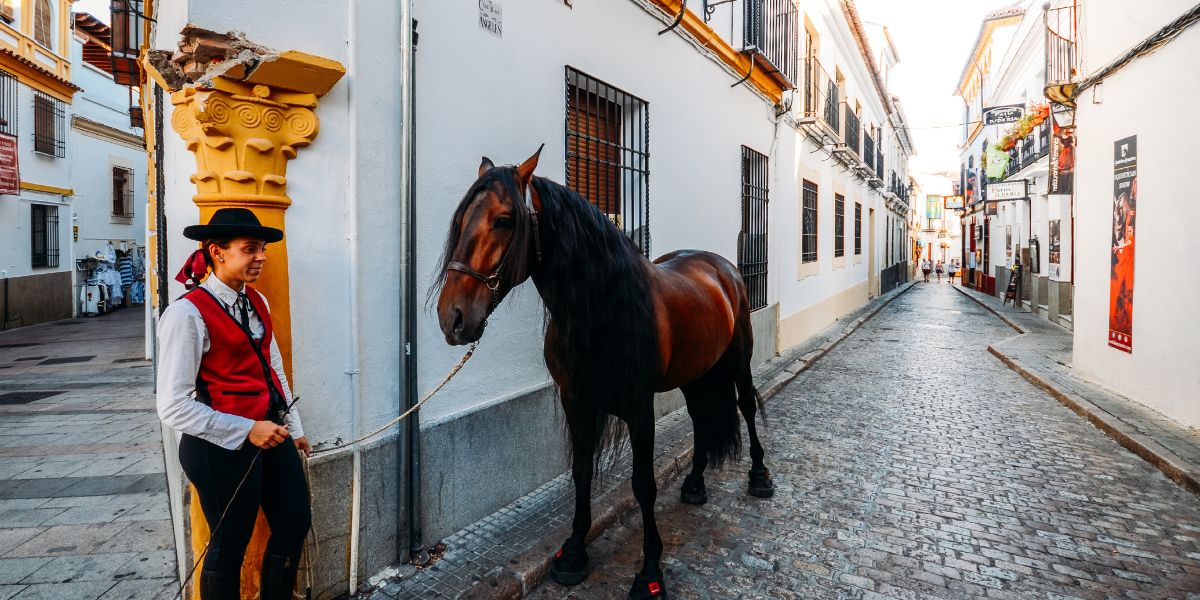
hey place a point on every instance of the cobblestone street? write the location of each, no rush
(83, 498)
(910, 463)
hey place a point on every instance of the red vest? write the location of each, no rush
(231, 374)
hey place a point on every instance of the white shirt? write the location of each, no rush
(182, 342)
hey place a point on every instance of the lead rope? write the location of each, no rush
(388, 425)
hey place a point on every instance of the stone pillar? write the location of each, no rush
(243, 128)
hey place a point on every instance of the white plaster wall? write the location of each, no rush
(478, 94)
(345, 211)
(1162, 372)
(15, 217)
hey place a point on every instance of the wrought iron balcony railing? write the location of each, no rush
(1062, 66)
(770, 29)
(820, 96)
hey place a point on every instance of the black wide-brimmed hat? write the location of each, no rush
(229, 223)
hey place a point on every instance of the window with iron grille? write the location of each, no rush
(8, 103)
(608, 160)
(122, 192)
(752, 241)
(857, 228)
(49, 125)
(839, 225)
(808, 232)
(44, 235)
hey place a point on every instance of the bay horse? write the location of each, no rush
(619, 329)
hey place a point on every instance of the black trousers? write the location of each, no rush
(276, 483)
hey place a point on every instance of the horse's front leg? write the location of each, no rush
(570, 565)
(649, 582)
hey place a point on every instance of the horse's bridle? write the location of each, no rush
(494, 281)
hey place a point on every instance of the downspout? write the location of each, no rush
(353, 313)
(411, 449)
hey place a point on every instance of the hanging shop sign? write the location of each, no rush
(1007, 190)
(491, 17)
(1120, 300)
(954, 202)
(933, 206)
(1001, 115)
(10, 170)
(1062, 153)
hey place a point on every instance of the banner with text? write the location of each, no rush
(1120, 299)
(10, 170)
(1062, 153)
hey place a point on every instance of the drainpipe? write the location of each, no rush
(411, 449)
(353, 314)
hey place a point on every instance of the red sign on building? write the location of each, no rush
(10, 171)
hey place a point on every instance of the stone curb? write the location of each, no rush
(999, 315)
(529, 569)
(1141, 445)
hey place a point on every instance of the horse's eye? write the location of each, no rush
(502, 223)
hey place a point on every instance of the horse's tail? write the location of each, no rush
(715, 416)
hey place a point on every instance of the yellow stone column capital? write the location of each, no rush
(243, 136)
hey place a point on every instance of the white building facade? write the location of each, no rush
(1135, 328)
(70, 128)
(797, 171)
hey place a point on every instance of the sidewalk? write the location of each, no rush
(83, 500)
(507, 554)
(1042, 355)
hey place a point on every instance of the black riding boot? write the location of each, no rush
(216, 585)
(278, 577)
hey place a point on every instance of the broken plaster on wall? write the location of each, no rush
(204, 55)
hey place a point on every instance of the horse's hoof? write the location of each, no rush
(761, 485)
(693, 491)
(569, 568)
(645, 588)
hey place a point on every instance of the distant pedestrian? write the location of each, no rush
(953, 270)
(939, 268)
(925, 268)
(971, 268)
(125, 268)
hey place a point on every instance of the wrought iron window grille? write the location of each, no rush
(8, 103)
(808, 231)
(49, 125)
(752, 240)
(44, 251)
(607, 152)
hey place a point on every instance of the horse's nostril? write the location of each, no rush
(458, 322)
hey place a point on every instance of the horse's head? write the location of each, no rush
(487, 250)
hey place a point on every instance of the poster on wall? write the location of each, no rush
(1055, 247)
(1120, 291)
(1062, 153)
(1008, 250)
(10, 170)
(954, 202)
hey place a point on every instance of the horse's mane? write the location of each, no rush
(596, 287)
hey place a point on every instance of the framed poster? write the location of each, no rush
(1055, 249)
(10, 170)
(1120, 291)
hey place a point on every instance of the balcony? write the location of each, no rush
(1062, 59)
(769, 34)
(1029, 150)
(868, 151)
(820, 99)
(852, 130)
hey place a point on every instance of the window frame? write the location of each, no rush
(43, 10)
(49, 113)
(858, 228)
(809, 240)
(43, 228)
(125, 195)
(839, 225)
(9, 108)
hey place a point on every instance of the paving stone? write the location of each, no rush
(92, 567)
(84, 590)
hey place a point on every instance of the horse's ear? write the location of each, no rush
(525, 170)
(485, 165)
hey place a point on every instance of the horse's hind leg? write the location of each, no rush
(570, 564)
(693, 490)
(760, 484)
(649, 582)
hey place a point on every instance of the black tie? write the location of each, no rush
(242, 301)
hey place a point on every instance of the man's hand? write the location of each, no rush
(303, 446)
(267, 435)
